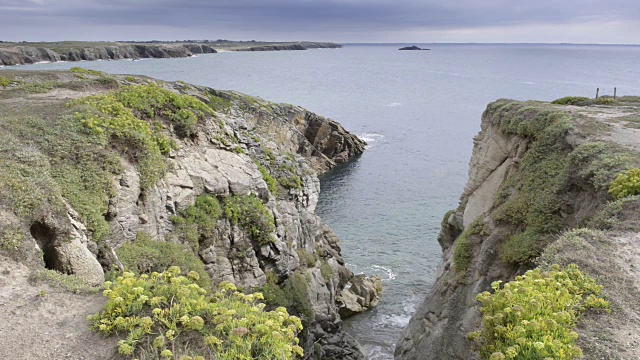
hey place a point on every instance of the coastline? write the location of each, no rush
(32, 53)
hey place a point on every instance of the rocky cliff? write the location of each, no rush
(26, 53)
(82, 181)
(538, 171)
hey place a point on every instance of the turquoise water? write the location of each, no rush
(419, 112)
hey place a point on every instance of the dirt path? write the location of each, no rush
(39, 322)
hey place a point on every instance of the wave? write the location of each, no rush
(390, 274)
(393, 104)
(371, 137)
(529, 82)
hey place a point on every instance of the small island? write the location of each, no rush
(412, 48)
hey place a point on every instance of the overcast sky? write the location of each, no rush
(575, 21)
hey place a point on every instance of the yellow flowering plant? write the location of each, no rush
(164, 315)
(533, 317)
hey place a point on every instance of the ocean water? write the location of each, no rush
(418, 111)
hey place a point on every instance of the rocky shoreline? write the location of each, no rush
(30, 53)
(58, 222)
(537, 195)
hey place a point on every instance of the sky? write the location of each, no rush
(396, 21)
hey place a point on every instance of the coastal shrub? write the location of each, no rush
(532, 198)
(38, 87)
(326, 270)
(626, 184)
(463, 248)
(165, 315)
(249, 213)
(272, 184)
(570, 100)
(291, 294)
(219, 104)
(291, 182)
(533, 317)
(599, 162)
(612, 215)
(197, 221)
(79, 70)
(4, 82)
(145, 256)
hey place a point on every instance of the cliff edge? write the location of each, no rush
(537, 195)
(102, 172)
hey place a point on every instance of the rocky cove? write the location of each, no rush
(73, 204)
(537, 195)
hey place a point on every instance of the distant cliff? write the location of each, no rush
(27, 53)
(537, 194)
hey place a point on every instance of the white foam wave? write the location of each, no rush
(529, 82)
(393, 104)
(371, 137)
(390, 274)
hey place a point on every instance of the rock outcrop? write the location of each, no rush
(231, 154)
(19, 53)
(536, 170)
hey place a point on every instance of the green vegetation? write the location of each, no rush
(291, 294)
(610, 216)
(121, 118)
(599, 162)
(291, 182)
(219, 103)
(326, 270)
(79, 70)
(626, 184)
(4, 82)
(463, 248)
(533, 317)
(570, 100)
(533, 198)
(63, 161)
(10, 238)
(39, 87)
(145, 256)
(249, 213)
(58, 280)
(198, 221)
(164, 315)
(271, 182)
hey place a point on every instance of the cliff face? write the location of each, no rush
(19, 54)
(536, 170)
(246, 147)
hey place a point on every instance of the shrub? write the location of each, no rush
(145, 256)
(271, 182)
(197, 221)
(165, 315)
(249, 213)
(533, 316)
(10, 238)
(4, 82)
(570, 100)
(39, 87)
(292, 294)
(79, 70)
(626, 184)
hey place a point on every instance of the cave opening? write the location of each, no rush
(45, 238)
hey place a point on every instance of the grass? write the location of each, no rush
(145, 256)
(10, 238)
(291, 294)
(58, 280)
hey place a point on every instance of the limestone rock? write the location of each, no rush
(362, 294)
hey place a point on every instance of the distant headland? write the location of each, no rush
(18, 53)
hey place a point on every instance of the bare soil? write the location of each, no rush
(41, 322)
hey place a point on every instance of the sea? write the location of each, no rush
(418, 111)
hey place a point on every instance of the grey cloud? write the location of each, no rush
(302, 16)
